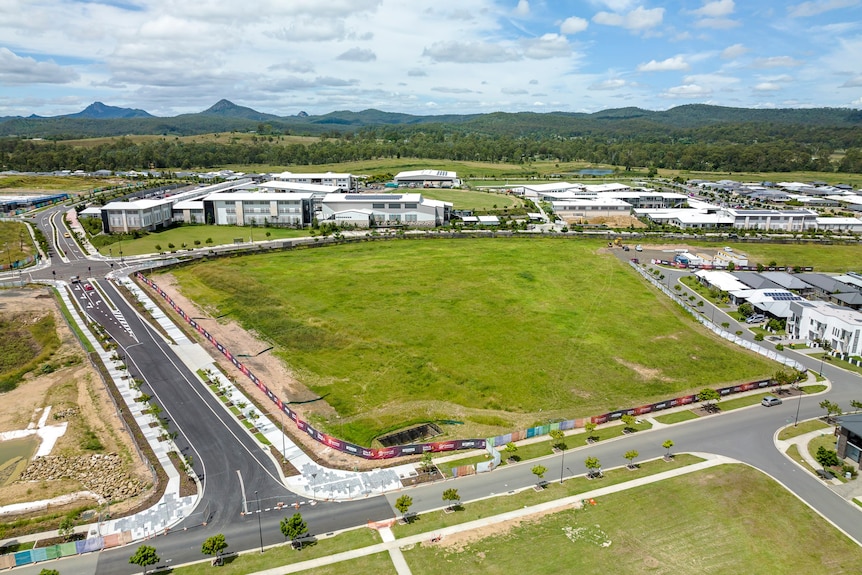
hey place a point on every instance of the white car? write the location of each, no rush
(639, 248)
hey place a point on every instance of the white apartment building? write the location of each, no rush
(815, 321)
(344, 182)
(385, 209)
(258, 208)
(149, 215)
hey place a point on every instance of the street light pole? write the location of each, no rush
(798, 405)
(562, 465)
(259, 530)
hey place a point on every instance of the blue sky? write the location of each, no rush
(428, 57)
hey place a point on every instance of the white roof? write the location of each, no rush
(488, 219)
(599, 201)
(91, 211)
(314, 175)
(360, 211)
(189, 205)
(257, 196)
(137, 204)
(839, 221)
(640, 192)
(597, 188)
(552, 187)
(850, 199)
(724, 281)
(426, 175)
(298, 187)
(413, 198)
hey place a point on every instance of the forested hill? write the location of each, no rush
(697, 122)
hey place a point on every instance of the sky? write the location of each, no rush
(422, 57)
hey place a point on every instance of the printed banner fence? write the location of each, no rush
(63, 550)
(457, 444)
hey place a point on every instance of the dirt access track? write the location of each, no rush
(268, 368)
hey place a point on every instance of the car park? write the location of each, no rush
(770, 400)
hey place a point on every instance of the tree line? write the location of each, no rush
(771, 155)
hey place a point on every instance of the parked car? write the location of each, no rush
(770, 400)
(756, 318)
(639, 248)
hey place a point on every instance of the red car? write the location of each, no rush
(88, 287)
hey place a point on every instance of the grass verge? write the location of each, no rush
(801, 429)
(284, 554)
(676, 417)
(720, 520)
(487, 507)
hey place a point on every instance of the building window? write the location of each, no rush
(378, 206)
(411, 218)
(394, 206)
(410, 206)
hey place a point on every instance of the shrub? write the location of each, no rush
(826, 457)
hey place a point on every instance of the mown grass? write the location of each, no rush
(676, 417)
(421, 330)
(378, 564)
(470, 200)
(801, 429)
(706, 522)
(432, 521)
(284, 554)
(188, 234)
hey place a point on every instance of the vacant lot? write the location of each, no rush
(15, 242)
(469, 200)
(823, 258)
(700, 523)
(33, 184)
(500, 333)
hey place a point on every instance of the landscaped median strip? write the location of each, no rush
(550, 506)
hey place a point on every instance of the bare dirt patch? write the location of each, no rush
(459, 541)
(76, 395)
(645, 373)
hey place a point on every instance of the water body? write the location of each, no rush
(15, 454)
(595, 172)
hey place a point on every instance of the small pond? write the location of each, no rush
(15, 454)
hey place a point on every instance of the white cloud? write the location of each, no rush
(573, 25)
(688, 91)
(17, 70)
(671, 64)
(470, 52)
(357, 55)
(548, 46)
(767, 87)
(734, 51)
(638, 19)
(299, 66)
(416, 73)
(523, 8)
(776, 62)
(612, 84)
(513, 91)
(716, 9)
(807, 9)
(855, 82)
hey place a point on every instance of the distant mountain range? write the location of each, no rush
(99, 119)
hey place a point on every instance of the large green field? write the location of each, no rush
(470, 200)
(726, 520)
(497, 333)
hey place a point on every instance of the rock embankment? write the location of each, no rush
(101, 474)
